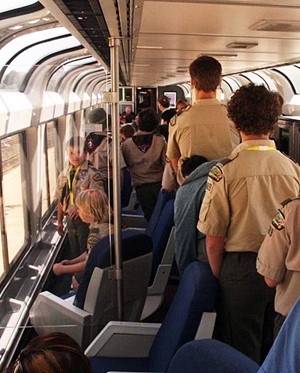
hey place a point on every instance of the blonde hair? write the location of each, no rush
(94, 202)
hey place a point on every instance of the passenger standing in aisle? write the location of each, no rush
(242, 195)
(98, 146)
(167, 113)
(204, 128)
(278, 258)
(79, 175)
(145, 155)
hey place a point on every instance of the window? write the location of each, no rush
(13, 202)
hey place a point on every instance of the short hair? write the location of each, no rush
(148, 120)
(206, 73)
(127, 130)
(75, 142)
(94, 202)
(254, 109)
(164, 101)
(99, 116)
(53, 352)
(190, 164)
(182, 102)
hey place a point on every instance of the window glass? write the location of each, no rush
(51, 160)
(6, 6)
(13, 188)
(44, 174)
(19, 67)
(62, 70)
(291, 72)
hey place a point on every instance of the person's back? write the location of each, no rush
(203, 128)
(242, 195)
(278, 258)
(144, 155)
(189, 242)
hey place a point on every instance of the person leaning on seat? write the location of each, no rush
(242, 195)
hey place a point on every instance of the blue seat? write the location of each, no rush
(127, 188)
(95, 303)
(195, 295)
(160, 226)
(212, 356)
(161, 230)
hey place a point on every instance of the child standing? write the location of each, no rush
(79, 175)
(94, 210)
(145, 156)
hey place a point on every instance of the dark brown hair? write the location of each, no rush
(49, 353)
(254, 109)
(148, 120)
(206, 72)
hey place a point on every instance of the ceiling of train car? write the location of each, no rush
(159, 39)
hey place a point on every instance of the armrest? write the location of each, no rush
(124, 339)
(50, 313)
(134, 221)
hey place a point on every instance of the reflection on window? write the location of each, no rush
(59, 73)
(24, 61)
(13, 186)
(45, 174)
(51, 160)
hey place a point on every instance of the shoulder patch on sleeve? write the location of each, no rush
(173, 120)
(278, 220)
(216, 173)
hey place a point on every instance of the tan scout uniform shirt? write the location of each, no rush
(145, 167)
(279, 256)
(202, 129)
(243, 195)
(102, 158)
(86, 177)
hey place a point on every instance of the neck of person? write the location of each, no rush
(248, 137)
(201, 95)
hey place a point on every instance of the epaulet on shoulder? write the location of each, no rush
(174, 118)
(228, 159)
(288, 200)
(187, 108)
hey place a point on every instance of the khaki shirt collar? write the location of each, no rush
(250, 143)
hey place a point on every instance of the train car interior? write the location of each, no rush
(59, 60)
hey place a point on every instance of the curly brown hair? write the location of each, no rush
(254, 109)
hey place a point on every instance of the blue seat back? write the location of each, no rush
(196, 294)
(210, 356)
(127, 188)
(103, 255)
(284, 356)
(159, 227)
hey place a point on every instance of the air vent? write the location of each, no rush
(241, 45)
(276, 25)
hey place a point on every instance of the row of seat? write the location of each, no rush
(148, 256)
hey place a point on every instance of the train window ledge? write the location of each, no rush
(22, 287)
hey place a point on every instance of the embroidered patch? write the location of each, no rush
(270, 231)
(278, 221)
(216, 173)
(209, 187)
(82, 175)
(97, 177)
